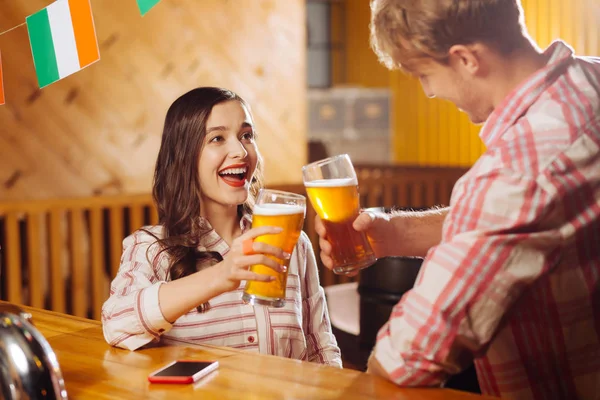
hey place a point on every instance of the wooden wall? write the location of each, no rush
(98, 131)
(432, 132)
(360, 64)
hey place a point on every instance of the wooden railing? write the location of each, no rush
(406, 187)
(61, 254)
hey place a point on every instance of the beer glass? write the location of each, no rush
(332, 188)
(285, 210)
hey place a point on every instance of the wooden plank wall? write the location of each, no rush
(97, 132)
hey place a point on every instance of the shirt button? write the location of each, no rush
(251, 339)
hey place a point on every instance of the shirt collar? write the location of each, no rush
(522, 97)
(209, 237)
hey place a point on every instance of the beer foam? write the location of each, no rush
(341, 182)
(277, 209)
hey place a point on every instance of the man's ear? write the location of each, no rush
(467, 57)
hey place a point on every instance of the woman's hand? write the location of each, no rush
(181, 295)
(235, 265)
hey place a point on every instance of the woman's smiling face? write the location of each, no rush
(229, 155)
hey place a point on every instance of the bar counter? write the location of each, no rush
(94, 370)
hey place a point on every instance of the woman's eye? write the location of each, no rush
(216, 139)
(248, 135)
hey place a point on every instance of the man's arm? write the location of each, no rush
(415, 232)
(468, 283)
(401, 233)
(373, 367)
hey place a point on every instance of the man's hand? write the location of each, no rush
(373, 367)
(406, 233)
(366, 222)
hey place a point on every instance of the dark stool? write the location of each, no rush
(380, 287)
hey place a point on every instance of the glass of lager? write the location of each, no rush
(285, 210)
(332, 188)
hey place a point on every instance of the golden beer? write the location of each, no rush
(332, 187)
(290, 217)
(336, 201)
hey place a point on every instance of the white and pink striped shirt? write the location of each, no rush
(516, 278)
(132, 318)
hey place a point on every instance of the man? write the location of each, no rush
(511, 276)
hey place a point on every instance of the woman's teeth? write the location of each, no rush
(233, 171)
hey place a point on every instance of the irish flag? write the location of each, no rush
(63, 39)
(1, 83)
(146, 5)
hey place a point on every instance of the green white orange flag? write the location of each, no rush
(63, 39)
(1, 82)
(146, 5)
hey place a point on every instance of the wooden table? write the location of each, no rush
(94, 370)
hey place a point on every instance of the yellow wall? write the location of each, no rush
(430, 131)
(359, 66)
(433, 132)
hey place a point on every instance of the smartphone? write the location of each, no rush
(183, 371)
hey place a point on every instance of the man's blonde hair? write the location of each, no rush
(429, 28)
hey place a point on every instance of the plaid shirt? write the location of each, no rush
(131, 317)
(515, 281)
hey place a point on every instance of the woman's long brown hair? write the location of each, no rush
(176, 188)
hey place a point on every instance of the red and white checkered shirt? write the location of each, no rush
(516, 278)
(131, 317)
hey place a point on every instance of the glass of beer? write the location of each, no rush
(285, 210)
(332, 188)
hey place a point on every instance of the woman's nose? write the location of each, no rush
(238, 150)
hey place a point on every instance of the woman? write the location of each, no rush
(182, 280)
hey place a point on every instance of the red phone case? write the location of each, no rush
(183, 379)
(171, 379)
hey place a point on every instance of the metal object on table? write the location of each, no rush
(29, 369)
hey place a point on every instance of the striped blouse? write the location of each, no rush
(132, 318)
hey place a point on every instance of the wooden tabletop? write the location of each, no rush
(94, 370)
